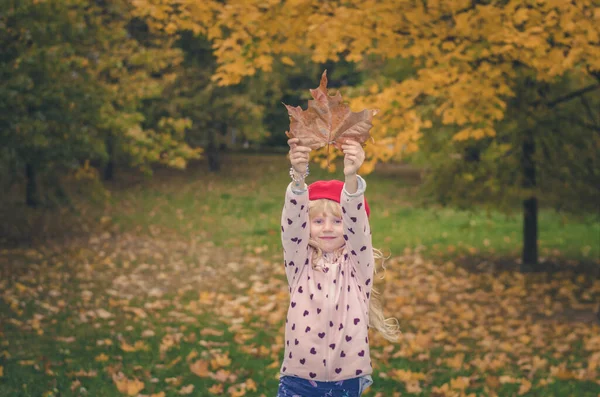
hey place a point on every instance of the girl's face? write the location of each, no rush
(327, 230)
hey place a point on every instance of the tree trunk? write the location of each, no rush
(31, 193)
(212, 153)
(530, 207)
(109, 168)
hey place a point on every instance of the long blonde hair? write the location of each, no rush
(388, 327)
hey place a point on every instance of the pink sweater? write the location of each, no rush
(326, 332)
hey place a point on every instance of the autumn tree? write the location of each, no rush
(135, 66)
(471, 61)
(74, 82)
(216, 110)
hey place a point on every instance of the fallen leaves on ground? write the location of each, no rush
(485, 330)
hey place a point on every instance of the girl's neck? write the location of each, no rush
(333, 254)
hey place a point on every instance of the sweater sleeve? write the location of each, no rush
(295, 233)
(357, 234)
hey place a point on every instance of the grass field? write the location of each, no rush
(178, 289)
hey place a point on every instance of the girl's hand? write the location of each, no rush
(354, 156)
(299, 156)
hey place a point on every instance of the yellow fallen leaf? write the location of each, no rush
(103, 314)
(539, 363)
(191, 355)
(200, 368)
(413, 387)
(216, 389)
(221, 375)
(251, 385)
(139, 345)
(131, 387)
(506, 346)
(274, 364)
(525, 339)
(468, 315)
(443, 390)
(84, 374)
(440, 336)
(455, 362)
(189, 389)
(69, 339)
(137, 311)
(525, 387)
(492, 381)
(594, 362)
(407, 376)
(508, 379)
(76, 384)
(211, 331)
(167, 342)
(434, 298)
(101, 357)
(564, 374)
(175, 381)
(236, 392)
(206, 297)
(460, 383)
(175, 361)
(161, 394)
(1, 371)
(220, 360)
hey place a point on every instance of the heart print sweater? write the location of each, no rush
(326, 331)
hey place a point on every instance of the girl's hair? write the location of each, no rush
(388, 327)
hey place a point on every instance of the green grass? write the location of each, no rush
(241, 206)
(194, 225)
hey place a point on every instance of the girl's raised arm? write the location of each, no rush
(295, 230)
(357, 231)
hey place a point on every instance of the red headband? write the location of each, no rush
(330, 190)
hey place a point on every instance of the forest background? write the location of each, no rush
(142, 158)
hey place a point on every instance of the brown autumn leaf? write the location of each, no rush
(200, 368)
(328, 120)
(130, 387)
(185, 390)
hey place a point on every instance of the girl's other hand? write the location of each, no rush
(354, 156)
(299, 155)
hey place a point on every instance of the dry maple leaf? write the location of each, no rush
(328, 120)
(131, 387)
(189, 389)
(200, 368)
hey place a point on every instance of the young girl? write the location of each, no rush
(329, 264)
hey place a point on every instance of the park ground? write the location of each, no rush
(175, 286)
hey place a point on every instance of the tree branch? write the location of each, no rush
(570, 96)
(587, 106)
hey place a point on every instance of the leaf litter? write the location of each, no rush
(488, 330)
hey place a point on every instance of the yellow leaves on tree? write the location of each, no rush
(468, 55)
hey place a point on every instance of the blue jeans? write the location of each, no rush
(291, 386)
